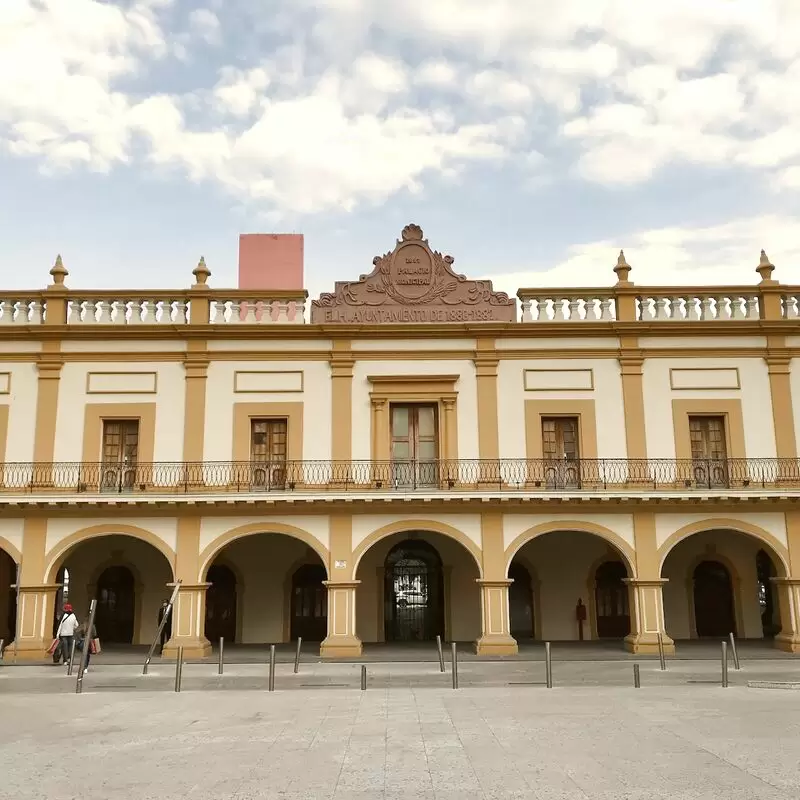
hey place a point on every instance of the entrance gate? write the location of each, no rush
(413, 593)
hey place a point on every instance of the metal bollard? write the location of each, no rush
(2, 642)
(734, 652)
(221, 667)
(454, 660)
(637, 681)
(363, 677)
(441, 653)
(548, 665)
(71, 658)
(297, 655)
(179, 670)
(272, 668)
(661, 659)
(724, 665)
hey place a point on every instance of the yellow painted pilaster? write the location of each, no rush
(486, 362)
(196, 373)
(49, 366)
(789, 590)
(646, 599)
(36, 608)
(189, 613)
(496, 638)
(342, 639)
(342, 364)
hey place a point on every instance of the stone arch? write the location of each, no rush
(775, 549)
(423, 526)
(10, 550)
(624, 550)
(208, 555)
(58, 553)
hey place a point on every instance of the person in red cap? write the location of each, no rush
(66, 632)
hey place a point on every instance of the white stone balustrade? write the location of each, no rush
(700, 307)
(132, 311)
(583, 307)
(227, 311)
(22, 311)
(790, 305)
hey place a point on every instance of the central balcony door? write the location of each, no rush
(709, 451)
(120, 454)
(268, 453)
(560, 452)
(415, 449)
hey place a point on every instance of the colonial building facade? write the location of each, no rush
(411, 455)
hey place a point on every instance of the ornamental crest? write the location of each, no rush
(412, 283)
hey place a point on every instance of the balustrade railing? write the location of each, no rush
(534, 476)
(723, 304)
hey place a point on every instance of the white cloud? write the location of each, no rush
(204, 23)
(674, 256)
(326, 119)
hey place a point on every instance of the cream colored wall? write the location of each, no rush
(563, 563)
(515, 525)
(315, 397)
(11, 530)
(137, 346)
(467, 400)
(366, 524)
(21, 401)
(462, 604)
(59, 528)
(728, 547)
(169, 399)
(151, 574)
(264, 565)
(794, 381)
(773, 523)
(212, 528)
(412, 345)
(759, 432)
(556, 343)
(607, 396)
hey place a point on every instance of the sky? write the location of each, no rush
(531, 140)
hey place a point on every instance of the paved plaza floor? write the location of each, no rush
(409, 735)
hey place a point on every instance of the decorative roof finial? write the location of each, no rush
(623, 268)
(59, 272)
(765, 268)
(201, 272)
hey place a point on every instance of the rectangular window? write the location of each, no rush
(709, 450)
(268, 452)
(120, 454)
(561, 452)
(415, 447)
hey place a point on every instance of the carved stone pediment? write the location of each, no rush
(412, 283)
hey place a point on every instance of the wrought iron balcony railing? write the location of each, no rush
(535, 476)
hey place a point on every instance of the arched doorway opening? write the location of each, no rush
(713, 600)
(767, 601)
(612, 610)
(413, 593)
(579, 594)
(521, 603)
(126, 575)
(309, 603)
(221, 604)
(8, 598)
(266, 587)
(718, 583)
(116, 604)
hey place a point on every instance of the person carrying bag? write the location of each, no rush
(65, 635)
(87, 640)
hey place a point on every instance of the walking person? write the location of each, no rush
(162, 612)
(85, 641)
(66, 632)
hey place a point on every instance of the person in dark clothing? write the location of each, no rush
(165, 631)
(84, 638)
